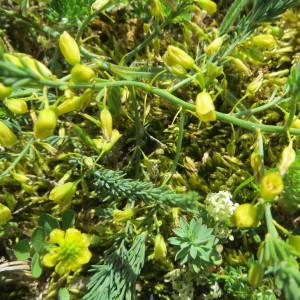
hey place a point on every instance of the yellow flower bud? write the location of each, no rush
(31, 64)
(69, 48)
(4, 91)
(106, 123)
(69, 105)
(271, 186)
(245, 216)
(45, 124)
(294, 241)
(177, 58)
(205, 108)
(241, 66)
(288, 156)
(7, 137)
(123, 215)
(296, 124)
(17, 106)
(208, 5)
(82, 73)
(20, 177)
(160, 248)
(214, 47)
(63, 194)
(156, 8)
(255, 275)
(255, 84)
(86, 98)
(5, 214)
(264, 41)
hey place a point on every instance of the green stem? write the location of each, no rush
(178, 102)
(178, 147)
(269, 220)
(19, 157)
(293, 108)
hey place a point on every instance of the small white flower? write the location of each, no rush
(220, 206)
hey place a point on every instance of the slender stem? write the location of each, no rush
(269, 220)
(178, 147)
(178, 102)
(281, 228)
(19, 157)
(293, 108)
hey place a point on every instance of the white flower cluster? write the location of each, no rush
(220, 206)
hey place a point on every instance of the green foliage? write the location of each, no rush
(115, 278)
(69, 10)
(195, 244)
(112, 185)
(291, 192)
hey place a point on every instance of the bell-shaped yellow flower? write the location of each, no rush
(7, 137)
(245, 216)
(63, 194)
(45, 124)
(160, 247)
(69, 251)
(205, 108)
(82, 73)
(271, 185)
(4, 91)
(69, 48)
(17, 106)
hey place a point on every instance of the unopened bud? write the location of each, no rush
(176, 58)
(296, 124)
(5, 91)
(17, 106)
(208, 5)
(45, 124)
(255, 84)
(241, 66)
(69, 48)
(160, 248)
(5, 214)
(288, 156)
(214, 47)
(245, 216)
(271, 185)
(63, 194)
(123, 215)
(264, 41)
(7, 137)
(255, 275)
(69, 105)
(82, 73)
(106, 123)
(156, 8)
(205, 108)
(20, 177)
(13, 59)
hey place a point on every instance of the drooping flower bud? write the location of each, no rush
(288, 156)
(208, 5)
(156, 8)
(245, 216)
(69, 105)
(5, 91)
(17, 106)
(69, 48)
(160, 248)
(255, 84)
(63, 194)
(214, 47)
(5, 214)
(205, 108)
(271, 185)
(255, 275)
(177, 59)
(264, 41)
(106, 123)
(82, 73)
(123, 215)
(45, 124)
(7, 137)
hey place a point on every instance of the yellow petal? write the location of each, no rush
(50, 260)
(84, 256)
(73, 236)
(57, 236)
